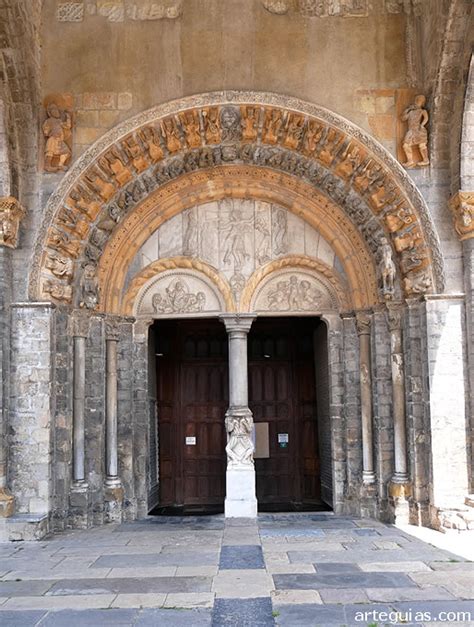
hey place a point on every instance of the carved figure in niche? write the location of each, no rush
(58, 290)
(151, 139)
(280, 232)
(262, 244)
(230, 124)
(408, 240)
(368, 176)
(417, 135)
(417, 283)
(103, 188)
(330, 146)
(112, 163)
(351, 160)
(170, 131)
(294, 295)
(134, 152)
(11, 213)
(63, 242)
(294, 131)
(178, 299)
(312, 137)
(61, 267)
(190, 124)
(212, 129)
(72, 222)
(249, 122)
(414, 260)
(387, 269)
(84, 201)
(385, 193)
(272, 126)
(239, 447)
(89, 287)
(234, 243)
(398, 219)
(57, 130)
(190, 239)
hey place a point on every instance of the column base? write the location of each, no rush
(399, 492)
(368, 477)
(113, 501)
(79, 505)
(7, 503)
(240, 499)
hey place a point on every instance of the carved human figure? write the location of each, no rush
(11, 213)
(272, 126)
(387, 268)
(249, 122)
(57, 131)
(84, 201)
(239, 447)
(190, 123)
(417, 135)
(63, 242)
(294, 132)
(178, 299)
(61, 267)
(312, 137)
(134, 151)
(89, 287)
(190, 232)
(352, 159)
(417, 283)
(58, 290)
(113, 165)
(104, 189)
(230, 124)
(329, 149)
(211, 125)
(462, 206)
(150, 137)
(262, 243)
(234, 243)
(294, 295)
(280, 232)
(170, 132)
(398, 219)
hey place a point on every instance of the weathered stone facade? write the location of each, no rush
(248, 173)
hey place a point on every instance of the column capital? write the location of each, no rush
(394, 316)
(112, 328)
(462, 208)
(363, 322)
(79, 323)
(11, 214)
(140, 329)
(237, 322)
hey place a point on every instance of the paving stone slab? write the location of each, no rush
(366, 532)
(189, 558)
(24, 588)
(400, 567)
(311, 614)
(74, 602)
(26, 618)
(344, 596)
(159, 571)
(243, 613)
(386, 595)
(241, 557)
(336, 568)
(453, 566)
(189, 599)
(131, 585)
(282, 597)
(290, 532)
(139, 600)
(90, 618)
(173, 618)
(280, 569)
(242, 584)
(350, 580)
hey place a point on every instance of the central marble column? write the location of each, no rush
(240, 499)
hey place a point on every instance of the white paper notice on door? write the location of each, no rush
(190, 440)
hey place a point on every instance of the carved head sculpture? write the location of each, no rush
(229, 117)
(53, 110)
(420, 101)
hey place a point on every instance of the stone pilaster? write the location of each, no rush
(240, 477)
(6, 498)
(113, 486)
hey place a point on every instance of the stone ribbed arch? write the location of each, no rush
(156, 156)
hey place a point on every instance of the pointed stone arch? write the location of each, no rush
(243, 143)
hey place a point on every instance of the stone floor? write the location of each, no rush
(287, 569)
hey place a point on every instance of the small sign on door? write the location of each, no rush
(190, 440)
(283, 440)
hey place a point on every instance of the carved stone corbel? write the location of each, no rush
(462, 207)
(11, 214)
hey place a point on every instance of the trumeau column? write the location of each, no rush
(363, 323)
(240, 477)
(400, 487)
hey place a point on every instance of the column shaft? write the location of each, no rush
(79, 375)
(111, 413)
(363, 329)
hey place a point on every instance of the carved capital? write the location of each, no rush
(11, 214)
(237, 322)
(112, 328)
(140, 329)
(394, 316)
(79, 324)
(462, 207)
(363, 322)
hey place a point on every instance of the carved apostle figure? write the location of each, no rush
(57, 131)
(387, 268)
(417, 135)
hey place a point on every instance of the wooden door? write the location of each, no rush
(192, 393)
(282, 392)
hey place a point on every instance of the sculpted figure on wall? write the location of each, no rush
(239, 447)
(89, 288)
(57, 131)
(11, 214)
(294, 295)
(249, 122)
(212, 129)
(178, 299)
(61, 267)
(230, 124)
(462, 207)
(190, 123)
(387, 269)
(58, 290)
(417, 135)
(235, 247)
(171, 135)
(151, 139)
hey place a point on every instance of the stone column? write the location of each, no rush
(79, 488)
(240, 477)
(113, 486)
(400, 486)
(363, 323)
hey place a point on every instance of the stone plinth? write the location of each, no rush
(240, 499)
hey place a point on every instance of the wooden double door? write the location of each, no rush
(192, 398)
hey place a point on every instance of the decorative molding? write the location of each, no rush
(306, 141)
(11, 214)
(462, 207)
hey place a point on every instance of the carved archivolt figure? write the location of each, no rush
(11, 213)
(387, 268)
(417, 135)
(89, 288)
(240, 447)
(57, 130)
(58, 290)
(62, 267)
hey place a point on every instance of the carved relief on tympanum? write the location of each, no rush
(11, 214)
(178, 293)
(462, 207)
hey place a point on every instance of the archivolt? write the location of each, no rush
(157, 150)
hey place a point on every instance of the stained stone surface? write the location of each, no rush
(128, 575)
